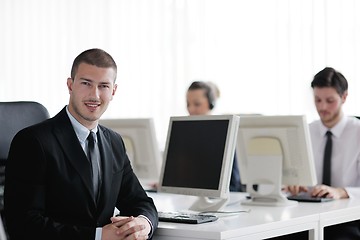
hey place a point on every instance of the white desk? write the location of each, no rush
(259, 223)
(338, 211)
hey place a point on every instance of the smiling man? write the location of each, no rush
(65, 176)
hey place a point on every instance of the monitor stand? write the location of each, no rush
(266, 171)
(203, 204)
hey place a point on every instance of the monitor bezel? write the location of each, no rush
(308, 175)
(223, 187)
(266, 169)
(153, 158)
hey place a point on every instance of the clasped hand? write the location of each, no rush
(127, 228)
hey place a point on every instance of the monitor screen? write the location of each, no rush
(141, 147)
(198, 155)
(274, 150)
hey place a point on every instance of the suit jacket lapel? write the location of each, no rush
(68, 140)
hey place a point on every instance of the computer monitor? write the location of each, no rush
(141, 146)
(274, 150)
(198, 158)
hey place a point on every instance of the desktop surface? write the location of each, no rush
(257, 222)
(272, 220)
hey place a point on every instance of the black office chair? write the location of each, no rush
(15, 116)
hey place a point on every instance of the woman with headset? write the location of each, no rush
(200, 98)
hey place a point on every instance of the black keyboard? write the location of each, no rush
(186, 217)
(308, 198)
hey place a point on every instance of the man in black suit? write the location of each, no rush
(50, 191)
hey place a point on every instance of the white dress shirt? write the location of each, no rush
(345, 158)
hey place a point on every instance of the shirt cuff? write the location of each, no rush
(98, 233)
(151, 225)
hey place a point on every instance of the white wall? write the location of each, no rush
(261, 53)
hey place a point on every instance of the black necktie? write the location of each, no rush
(94, 157)
(327, 160)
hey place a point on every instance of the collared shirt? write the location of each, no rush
(81, 132)
(345, 158)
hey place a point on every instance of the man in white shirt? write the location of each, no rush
(330, 92)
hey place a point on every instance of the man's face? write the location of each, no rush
(328, 104)
(90, 93)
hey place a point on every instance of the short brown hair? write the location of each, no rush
(96, 57)
(329, 77)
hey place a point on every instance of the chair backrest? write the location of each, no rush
(15, 116)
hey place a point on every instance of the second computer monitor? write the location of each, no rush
(274, 151)
(141, 146)
(198, 158)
